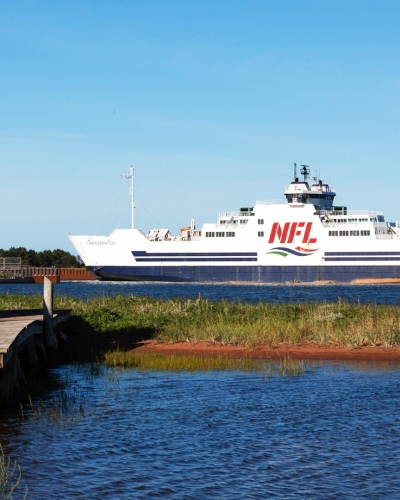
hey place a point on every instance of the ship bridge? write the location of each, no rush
(301, 192)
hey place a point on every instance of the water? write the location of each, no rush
(333, 432)
(389, 294)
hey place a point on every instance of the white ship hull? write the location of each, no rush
(269, 243)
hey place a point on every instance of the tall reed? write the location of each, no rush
(10, 477)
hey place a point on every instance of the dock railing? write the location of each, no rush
(10, 263)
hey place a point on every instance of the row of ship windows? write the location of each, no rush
(242, 221)
(219, 234)
(228, 234)
(352, 221)
(314, 195)
(352, 233)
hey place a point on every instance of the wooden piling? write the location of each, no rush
(49, 337)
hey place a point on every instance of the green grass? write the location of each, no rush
(228, 323)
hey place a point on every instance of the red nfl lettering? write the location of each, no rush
(296, 229)
(278, 231)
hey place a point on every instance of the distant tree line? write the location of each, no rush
(47, 258)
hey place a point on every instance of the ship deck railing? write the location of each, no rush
(390, 236)
(347, 213)
(231, 225)
(271, 202)
(229, 214)
(352, 222)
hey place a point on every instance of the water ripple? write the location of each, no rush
(332, 433)
(388, 294)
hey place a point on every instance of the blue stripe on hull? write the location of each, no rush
(142, 253)
(359, 254)
(254, 274)
(197, 259)
(361, 259)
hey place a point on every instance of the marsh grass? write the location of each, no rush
(10, 477)
(173, 362)
(228, 323)
(290, 367)
(202, 362)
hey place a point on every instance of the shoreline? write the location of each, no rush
(301, 351)
(356, 281)
(107, 342)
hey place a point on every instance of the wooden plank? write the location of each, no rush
(32, 329)
(24, 329)
(16, 330)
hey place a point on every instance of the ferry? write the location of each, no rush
(305, 238)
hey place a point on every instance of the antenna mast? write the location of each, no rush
(295, 171)
(305, 172)
(131, 172)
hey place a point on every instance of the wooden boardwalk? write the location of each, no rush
(22, 335)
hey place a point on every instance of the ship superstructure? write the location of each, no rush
(305, 238)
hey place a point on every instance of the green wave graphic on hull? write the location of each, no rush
(284, 254)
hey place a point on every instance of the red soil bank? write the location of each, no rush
(111, 341)
(304, 351)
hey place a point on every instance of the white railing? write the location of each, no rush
(351, 212)
(271, 202)
(342, 223)
(385, 236)
(230, 225)
(229, 214)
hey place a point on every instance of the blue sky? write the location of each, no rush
(210, 101)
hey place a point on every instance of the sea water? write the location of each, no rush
(331, 432)
(387, 294)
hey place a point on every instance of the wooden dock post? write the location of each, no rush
(50, 339)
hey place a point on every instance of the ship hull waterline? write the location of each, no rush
(246, 274)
